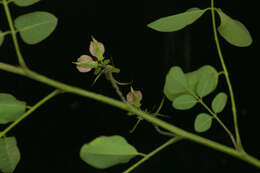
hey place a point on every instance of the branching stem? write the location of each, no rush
(238, 140)
(220, 122)
(13, 33)
(121, 105)
(26, 114)
(148, 156)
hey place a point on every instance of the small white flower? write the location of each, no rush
(84, 58)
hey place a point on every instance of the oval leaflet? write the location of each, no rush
(106, 151)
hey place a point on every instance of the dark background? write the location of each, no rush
(50, 139)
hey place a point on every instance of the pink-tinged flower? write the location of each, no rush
(93, 49)
(84, 58)
(134, 97)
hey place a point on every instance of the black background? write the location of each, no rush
(51, 137)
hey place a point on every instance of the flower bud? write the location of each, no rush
(134, 97)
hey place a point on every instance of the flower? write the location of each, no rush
(134, 97)
(85, 62)
(84, 58)
(94, 50)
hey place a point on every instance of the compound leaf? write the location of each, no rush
(219, 102)
(36, 26)
(233, 31)
(202, 122)
(10, 108)
(178, 83)
(184, 102)
(9, 154)
(106, 151)
(178, 21)
(24, 3)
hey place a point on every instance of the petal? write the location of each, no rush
(139, 94)
(93, 51)
(83, 69)
(84, 58)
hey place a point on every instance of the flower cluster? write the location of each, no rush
(85, 62)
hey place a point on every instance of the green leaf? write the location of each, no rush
(9, 154)
(178, 21)
(106, 151)
(24, 3)
(175, 84)
(2, 37)
(207, 82)
(173, 88)
(10, 108)
(35, 27)
(184, 102)
(233, 31)
(219, 102)
(193, 78)
(202, 122)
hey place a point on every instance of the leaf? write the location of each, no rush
(106, 151)
(193, 78)
(24, 3)
(219, 102)
(178, 21)
(184, 102)
(207, 82)
(2, 36)
(9, 154)
(10, 108)
(175, 83)
(173, 89)
(35, 27)
(202, 122)
(233, 31)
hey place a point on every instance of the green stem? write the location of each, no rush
(148, 156)
(7, 32)
(148, 117)
(214, 115)
(220, 122)
(26, 114)
(13, 33)
(110, 77)
(240, 147)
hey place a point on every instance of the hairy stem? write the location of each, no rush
(26, 114)
(148, 156)
(239, 144)
(110, 77)
(13, 33)
(121, 105)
